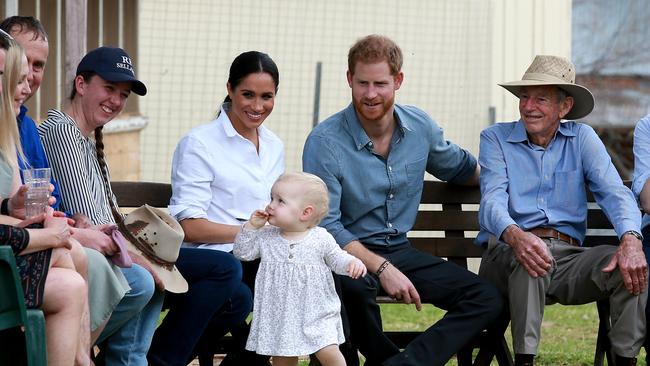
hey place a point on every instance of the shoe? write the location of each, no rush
(524, 359)
(624, 361)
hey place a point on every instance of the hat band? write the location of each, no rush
(545, 78)
(145, 248)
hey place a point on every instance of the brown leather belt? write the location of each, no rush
(548, 233)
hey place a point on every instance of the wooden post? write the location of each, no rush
(75, 39)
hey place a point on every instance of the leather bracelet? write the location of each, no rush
(382, 267)
(4, 207)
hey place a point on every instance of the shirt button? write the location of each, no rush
(390, 196)
(291, 246)
(390, 168)
(290, 256)
(370, 144)
(390, 224)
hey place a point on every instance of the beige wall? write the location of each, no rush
(455, 52)
(523, 29)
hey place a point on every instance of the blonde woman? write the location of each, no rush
(44, 257)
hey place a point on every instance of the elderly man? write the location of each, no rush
(533, 213)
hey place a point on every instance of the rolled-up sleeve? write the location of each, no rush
(192, 178)
(320, 159)
(448, 161)
(493, 213)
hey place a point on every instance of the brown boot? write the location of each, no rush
(624, 361)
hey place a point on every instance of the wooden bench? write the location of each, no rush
(446, 226)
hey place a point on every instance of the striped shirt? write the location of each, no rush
(75, 166)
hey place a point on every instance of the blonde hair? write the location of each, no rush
(314, 192)
(9, 137)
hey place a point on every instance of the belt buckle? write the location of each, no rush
(558, 235)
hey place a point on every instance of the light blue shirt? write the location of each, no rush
(641, 159)
(372, 199)
(531, 186)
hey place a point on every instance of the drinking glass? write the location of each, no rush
(38, 190)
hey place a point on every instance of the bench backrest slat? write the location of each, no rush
(445, 226)
(136, 194)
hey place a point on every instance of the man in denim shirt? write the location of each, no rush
(373, 156)
(534, 209)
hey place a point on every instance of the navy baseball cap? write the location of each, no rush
(112, 64)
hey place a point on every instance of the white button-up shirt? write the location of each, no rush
(217, 174)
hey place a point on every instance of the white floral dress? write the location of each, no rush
(296, 310)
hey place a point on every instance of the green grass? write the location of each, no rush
(568, 332)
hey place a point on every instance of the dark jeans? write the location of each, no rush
(239, 355)
(216, 301)
(471, 302)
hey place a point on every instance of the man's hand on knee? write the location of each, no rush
(531, 251)
(631, 261)
(399, 287)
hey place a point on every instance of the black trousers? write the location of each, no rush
(646, 251)
(471, 302)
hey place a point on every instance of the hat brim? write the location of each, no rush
(583, 100)
(137, 86)
(172, 279)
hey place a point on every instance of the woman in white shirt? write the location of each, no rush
(222, 171)
(215, 300)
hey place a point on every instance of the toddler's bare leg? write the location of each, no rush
(330, 356)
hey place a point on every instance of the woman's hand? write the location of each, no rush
(95, 239)
(58, 229)
(17, 202)
(82, 221)
(32, 220)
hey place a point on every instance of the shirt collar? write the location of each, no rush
(518, 133)
(361, 139)
(229, 130)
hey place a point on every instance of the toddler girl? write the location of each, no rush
(296, 310)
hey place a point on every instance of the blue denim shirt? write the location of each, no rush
(530, 186)
(372, 199)
(33, 149)
(641, 160)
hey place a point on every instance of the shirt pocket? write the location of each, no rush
(415, 176)
(568, 187)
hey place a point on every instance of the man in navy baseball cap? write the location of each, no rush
(112, 64)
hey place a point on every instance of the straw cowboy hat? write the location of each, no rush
(157, 237)
(558, 71)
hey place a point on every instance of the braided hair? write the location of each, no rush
(101, 157)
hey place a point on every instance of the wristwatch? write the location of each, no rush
(634, 233)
